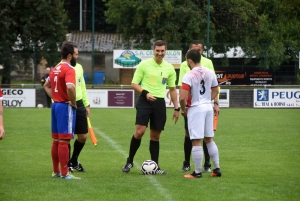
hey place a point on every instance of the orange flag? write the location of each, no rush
(92, 134)
(215, 122)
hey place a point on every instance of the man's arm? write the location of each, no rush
(174, 99)
(214, 93)
(182, 100)
(85, 99)
(72, 94)
(47, 87)
(1, 121)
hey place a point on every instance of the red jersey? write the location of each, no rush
(61, 75)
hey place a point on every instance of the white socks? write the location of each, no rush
(213, 153)
(197, 155)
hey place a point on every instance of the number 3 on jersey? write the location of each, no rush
(55, 80)
(202, 90)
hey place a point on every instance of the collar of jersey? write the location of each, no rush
(66, 63)
(160, 65)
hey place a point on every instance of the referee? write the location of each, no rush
(155, 74)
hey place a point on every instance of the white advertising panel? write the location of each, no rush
(18, 97)
(131, 58)
(276, 98)
(102, 98)
(223, 98)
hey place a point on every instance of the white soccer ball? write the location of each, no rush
(40, 106)
(149, 167)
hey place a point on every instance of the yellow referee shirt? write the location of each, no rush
(205, 62)
(155, 77)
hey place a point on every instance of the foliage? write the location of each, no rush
(278, 40)
(32, 28)
(266, 29)
(182, 21)
(73, 8)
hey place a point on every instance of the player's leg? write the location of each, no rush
(157, 124)
(81, 129)
(207, 164)
(196, 131)
(54, 148)
(187, 148)
(211, 145)
(142, 118)
(66, 116)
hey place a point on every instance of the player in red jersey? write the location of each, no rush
(60, 86)
(1, 117)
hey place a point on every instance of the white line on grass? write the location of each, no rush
(162, 190)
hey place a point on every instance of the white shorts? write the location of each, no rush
(200, 121)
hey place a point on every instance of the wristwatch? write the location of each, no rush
(217, 103)
(178, 109)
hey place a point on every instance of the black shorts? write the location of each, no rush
(155, 111)
(81, 126)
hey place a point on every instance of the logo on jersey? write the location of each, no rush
(164, 80)
(263, 95)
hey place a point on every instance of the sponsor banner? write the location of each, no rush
(260, 78)
(18, 97)
(131, 58)
(101, 98)
(223, 98)
(253, 78)
(276, 98)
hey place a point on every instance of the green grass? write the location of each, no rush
(259, 158)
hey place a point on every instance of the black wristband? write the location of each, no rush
(178, 109)
(216, 103)
(144, 93)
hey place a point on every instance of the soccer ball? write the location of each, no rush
(149, 167)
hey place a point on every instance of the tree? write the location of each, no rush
(73, 8)
(180, 22)
(278, 40)
(266, 29)
(30, 29)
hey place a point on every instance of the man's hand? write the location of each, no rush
(184, 112)
(87, 111)
(1, 132)
(150, 97)
(216, 109)
(175, 116)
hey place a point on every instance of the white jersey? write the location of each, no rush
(200, 80)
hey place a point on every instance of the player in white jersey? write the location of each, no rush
(200, 86)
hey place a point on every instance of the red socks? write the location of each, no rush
(54, 154)
(63, 155)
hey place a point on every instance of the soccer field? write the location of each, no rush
(259, 158)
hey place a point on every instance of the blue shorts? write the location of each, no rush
(63, 121)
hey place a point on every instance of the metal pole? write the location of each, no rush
(34, 64)
(80, 16)
(208, 23)
(93, 38)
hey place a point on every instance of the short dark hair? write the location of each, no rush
(159, 43)
(196, 42)
(194, 55)
(67, 48)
